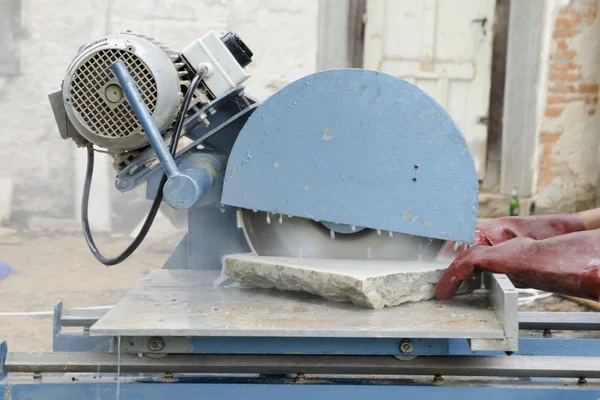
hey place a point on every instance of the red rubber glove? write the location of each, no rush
(502, 229)
(536, 227)
(567, 264)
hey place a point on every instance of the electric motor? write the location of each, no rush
(98, 110)
(94, 100)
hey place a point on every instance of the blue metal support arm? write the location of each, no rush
(182, 189)
(143, 115)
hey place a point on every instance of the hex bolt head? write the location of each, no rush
(122, 183)
(406, 346)
(156, 344)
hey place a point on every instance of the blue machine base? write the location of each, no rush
(358, 390)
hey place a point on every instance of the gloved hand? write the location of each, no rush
(566, 264)
(535, 227)
(502, 229)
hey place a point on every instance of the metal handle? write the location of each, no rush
(183, 189)
(143, 115)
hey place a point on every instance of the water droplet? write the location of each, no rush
(223, 209)
(316, 220)
(289, 216)
(255, 210)
(391, 234)
(379, 232)
(455, 247)
(353, 227)
(332, 234)
(466, 246)
(369, 253)
(281, 218)
(268, 218)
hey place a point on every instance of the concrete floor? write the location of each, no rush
(58, 266)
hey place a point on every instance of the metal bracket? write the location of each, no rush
(77, 341)
(504, 300)
(142, 166)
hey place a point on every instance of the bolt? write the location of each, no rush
(122, 183)
(406, 346)
(156, 344)
(547, 333)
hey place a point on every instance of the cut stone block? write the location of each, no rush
(369, 283)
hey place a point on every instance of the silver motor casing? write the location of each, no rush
(95, 103)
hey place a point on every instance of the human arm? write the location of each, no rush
(566, 264)
(536, 227)
(501, 231)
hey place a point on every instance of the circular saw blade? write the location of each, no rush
(282, 236)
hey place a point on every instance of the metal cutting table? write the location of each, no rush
(194, 303)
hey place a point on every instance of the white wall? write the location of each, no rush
(282, 35)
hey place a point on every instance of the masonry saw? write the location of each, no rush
(337, 167)
(344, 163)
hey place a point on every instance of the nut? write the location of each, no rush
(156, 344)
(406, 346)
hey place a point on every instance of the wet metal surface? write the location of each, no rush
(282, 236)
(197, 303)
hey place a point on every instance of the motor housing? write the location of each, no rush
(95, 103)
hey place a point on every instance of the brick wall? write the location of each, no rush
(568, 140)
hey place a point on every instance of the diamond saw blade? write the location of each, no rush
(283, 236)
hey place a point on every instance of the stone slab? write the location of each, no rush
(368, 283)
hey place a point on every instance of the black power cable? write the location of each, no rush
(108, 261)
